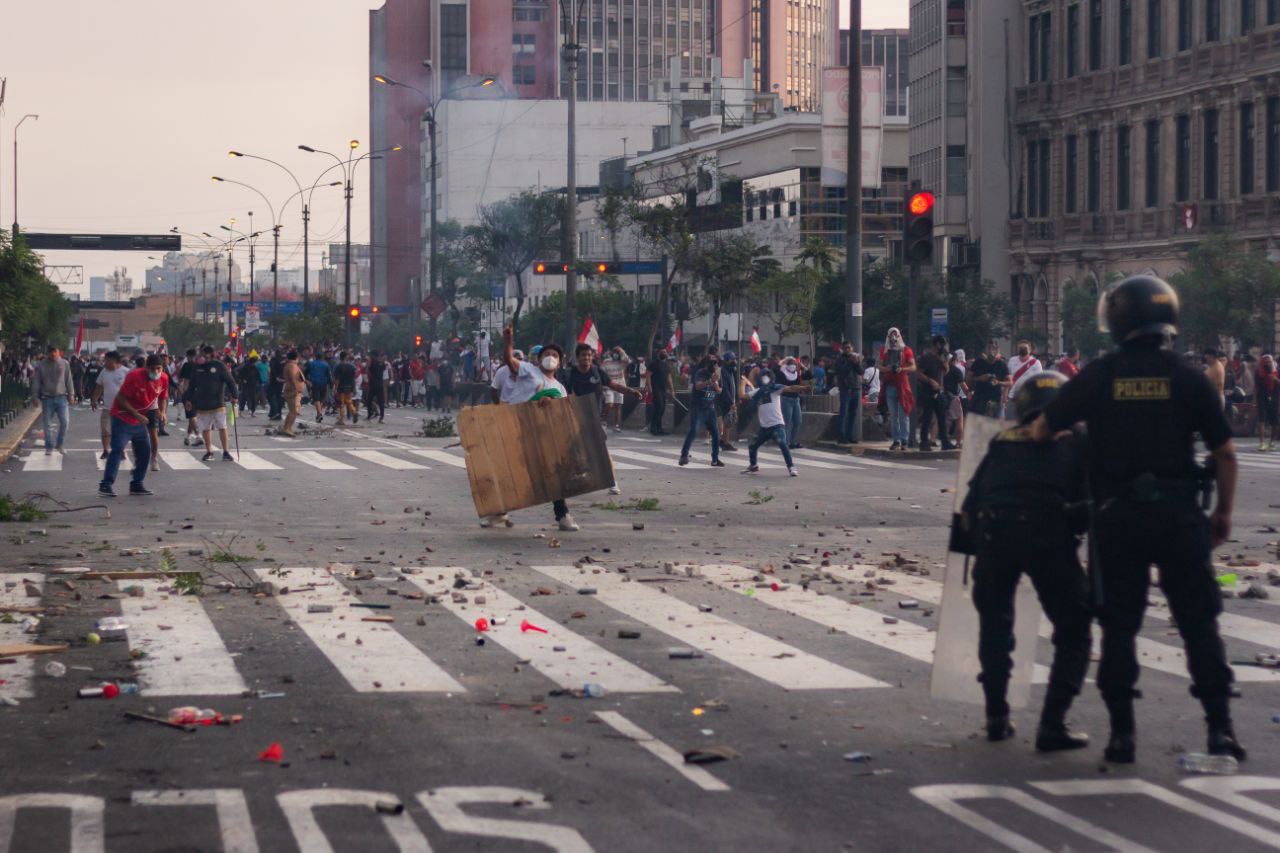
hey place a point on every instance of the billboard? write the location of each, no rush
(835, 125)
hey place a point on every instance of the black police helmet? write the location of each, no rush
(1035, 393)
(1139, 306)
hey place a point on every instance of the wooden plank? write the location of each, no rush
(545, 448)
(474, 424)
(8, 651)
(508, 443)
(138, 576)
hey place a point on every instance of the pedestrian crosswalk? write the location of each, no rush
(725, 621)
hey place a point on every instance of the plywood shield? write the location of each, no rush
(955, 658)
(529, 454)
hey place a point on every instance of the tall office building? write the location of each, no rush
(887, 49)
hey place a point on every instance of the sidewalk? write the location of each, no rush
(880, 450)
(11, 436)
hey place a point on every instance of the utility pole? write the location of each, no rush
(306, 264)
(347, 264)
(853, 195)
(434, 259)
(275, 279)
(571, 182)
(217, 265)
(231, 311)
(204, 277)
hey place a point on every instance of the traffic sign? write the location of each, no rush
(433, 306)
(939, 320)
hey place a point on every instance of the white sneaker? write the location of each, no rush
(155, 465)
(567, 523)
(496, 520)
(614, 490)
(793, 472)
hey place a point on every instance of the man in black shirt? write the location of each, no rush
(275, 386)
(185, 375)
(344, 377)
(660, 386)
(848, 374)
(375, 387)
(1144, 407)
(931, 367)
(989, 378)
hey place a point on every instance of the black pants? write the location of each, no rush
(659, 409)
(1174, 535)
(275, 399)
(1063, 591)
(375, 403)
(933, 406)
(249, 397)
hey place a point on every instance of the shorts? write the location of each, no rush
(419, 387)
(188, 409)
(612, 398)
(206, 421)
(319, 392)
(104, 422)
(723, 407)
(153, 418)
(294, 402)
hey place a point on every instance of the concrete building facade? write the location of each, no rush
(1140, 128)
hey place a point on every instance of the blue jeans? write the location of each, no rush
(50, 406)
(850, 408)
(791, 415)
(899, 421)
(122, 434)
(702, 417)
(777, 434)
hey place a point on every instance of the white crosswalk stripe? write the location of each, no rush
(441, 456)
(386, 460)
(808, 461)
(254, 462)
(383, 660)
(18, 676)
(318, 460)
(755, 654)
(128, 458)
(181, 460)
(185, 655)
(579, 661)
(39, 462)
(645, 457)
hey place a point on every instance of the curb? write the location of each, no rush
(20, 427)
(885, 453)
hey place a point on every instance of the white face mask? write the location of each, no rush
(550, 362)
(155, 375)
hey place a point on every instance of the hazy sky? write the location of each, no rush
(140, 100)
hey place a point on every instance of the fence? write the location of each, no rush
(13, 399)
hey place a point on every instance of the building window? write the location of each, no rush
(453, 42)
(1273, 12)
(1033, 47)
(1093, 190)
(957, 94)
(1071, 179)
(1045, 188)
(1248, 149)
(1095, 35)
(1184, 24)
(1124, 166)
(1073, 40)
(1211, 154)
(1033, 178)
(1155, 27)
(1182, 147)
(523, 75)
(1248, 16)
(1125, 46)
(956, 167)
(523, 42)
(1153, 164)
(1273, 144)
(1212, 20)
(1041, 40)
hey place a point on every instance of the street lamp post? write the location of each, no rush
(574, 8)
(15, 169)
(429, 116)
(275, 251)
(306, 241)
(853, 196)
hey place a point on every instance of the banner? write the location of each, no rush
(252, 318)
(835, 125)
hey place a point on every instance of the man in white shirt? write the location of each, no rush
(1022, 366)
(104, 393)
(768, 400)
(503, 386)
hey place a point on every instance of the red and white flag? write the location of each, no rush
(590, 335)
(677, 338)
(80, 336)
(755, 340)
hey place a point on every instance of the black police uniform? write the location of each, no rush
(1017, 511)
(1144, 406)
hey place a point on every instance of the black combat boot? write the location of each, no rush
(999, 727)
(1121, 748)
(1222, 737)
(1053, 734)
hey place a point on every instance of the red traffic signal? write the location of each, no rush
(917, 228)
(920, 203)
(353, 312)
(540, 268)
(417, 340)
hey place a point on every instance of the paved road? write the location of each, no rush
(486, 744)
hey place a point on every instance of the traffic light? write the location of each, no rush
(917, 229)
(374, 309)
(550, 268)
(417, 341)
(354, 312)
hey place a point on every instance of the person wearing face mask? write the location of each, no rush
(615, 367)
(704, 387)
(140, 389)
(767, 398)
(897, 363)
(988, 376)
(795, 380)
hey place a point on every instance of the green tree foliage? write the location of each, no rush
(664, 228)
(787, 300)
(512, 234)
(1080, 320)
(324, 323)
(29, 303)
(725, 266)
(182, 333)
(389, 335)
(622, 318)
(1228, 289)
(457, 266)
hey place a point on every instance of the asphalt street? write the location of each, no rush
(411, 735)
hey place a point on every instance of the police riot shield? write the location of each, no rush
(955, 658)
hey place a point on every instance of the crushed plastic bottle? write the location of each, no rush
(189, 715)
(54, 669)
(1210, 765)
(128, 688)
(592, 690)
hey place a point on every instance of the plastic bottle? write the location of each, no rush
(1212, 765)
(54, 669)
(592, 690)
(128, 688)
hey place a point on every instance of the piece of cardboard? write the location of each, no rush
(529, 454)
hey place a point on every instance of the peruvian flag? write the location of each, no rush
(755, 340)
(677, 338)
(80, 336)
(590, 335)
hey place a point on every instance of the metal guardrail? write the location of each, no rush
(13, 400)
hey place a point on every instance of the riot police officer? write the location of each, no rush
(1144, 407)
(1019, 514)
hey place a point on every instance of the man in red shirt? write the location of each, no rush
(141, 388)
(1070, 364)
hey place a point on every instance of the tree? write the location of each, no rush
(323, 324)
(976, 313)
(457, 267)
(1080, 320)
(514, 232)
(30, 304)
(787, 299)
(818, 254)
(182, 333)
(664, 226)
(1229, 289)
(622, 318)
(726, 266)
